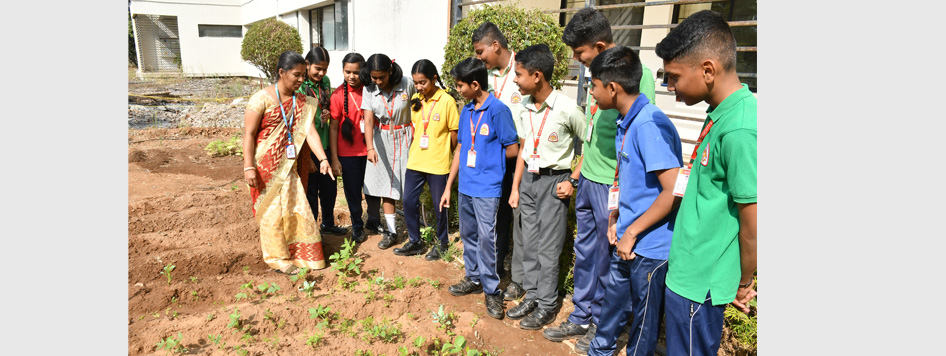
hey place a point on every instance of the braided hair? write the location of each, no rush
(347, 125)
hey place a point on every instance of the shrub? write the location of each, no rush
(221, 148)
(522, 28)
(265, 41)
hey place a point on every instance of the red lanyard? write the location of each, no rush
(620, 152)
(427, 121)
(473, 129)
(391, 109)
(509, 67)
(699, 141)
(535, 145)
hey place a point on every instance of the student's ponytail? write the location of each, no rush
(396, 74)
(347, 125)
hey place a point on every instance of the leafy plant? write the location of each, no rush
(265, 41)
(267, 289)
(172, 345)
(193, 279)
(320, 312)
(308, 288)
(234, 319)
(521, 26)
(434, 283)
(315, 339)
(445, 319)
(415, 282)
(166, 271)
(385, 331)
(301, 274)
(221, 148)
(344, 260)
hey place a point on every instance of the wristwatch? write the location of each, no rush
(745, 285)
(573, 181)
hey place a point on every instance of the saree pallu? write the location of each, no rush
(288, 230)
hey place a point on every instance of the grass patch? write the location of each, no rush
(221, 148)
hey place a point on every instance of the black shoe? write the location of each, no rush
(410, 249)
(435, 252)
(513, 291)
(334, 230)
(358, 236)
(494, 306)
(373, 228)
(520, 311)
(565, 330)
(537, 319)
(584, 344)
(387, 241)
(466, 286)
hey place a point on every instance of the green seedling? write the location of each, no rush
(415, 282)
(240, 296)
(344, 261)
(387, 300)
(384, 331)
(216, 340)
(319, 312)
(446, 320)
(419, 341)
(267, 289)
(475, 320)
(172, 345)
(315, 339)
(246, 269)
(434, 283)
(301, 274)
(167, 272)
(194, 296)
(308, 288)
(234, 319)
(193, 279)
(369, 297)
(211, 316)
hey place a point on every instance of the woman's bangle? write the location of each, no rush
(371, 149)
(323, 159)
(248, 168)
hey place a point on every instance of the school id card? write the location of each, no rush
(290, 151)
(534, 163)
(683, 178)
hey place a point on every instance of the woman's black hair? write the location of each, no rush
(287, 61)
(317, 55)
(347, 125)
(429, 70)
(379, 61)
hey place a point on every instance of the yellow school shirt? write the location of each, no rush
(443, 116)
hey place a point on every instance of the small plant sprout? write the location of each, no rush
(344, 261)
(419, 341)
(211, 316)
(301, 274)
(446, 320)
(475, 320)
(246, 269)
(315, 339)
(167, 272)
(308, 288)
(234, 319)
(194, 295)
(172, 345)
(193, 279)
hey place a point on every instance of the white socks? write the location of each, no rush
(390, 219)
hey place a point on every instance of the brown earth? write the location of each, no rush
(190, 210)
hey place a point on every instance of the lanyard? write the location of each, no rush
(473, 129)
(620, 152)
(391, 109)
(293, 112)
(427, 121)
(499, 93)
(699, 141)
(535, 145)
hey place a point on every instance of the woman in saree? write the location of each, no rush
(278, 135)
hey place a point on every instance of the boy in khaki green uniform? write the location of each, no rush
(712, 259)
(543, 179)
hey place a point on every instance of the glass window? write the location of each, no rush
(235, 31)
(331, 26)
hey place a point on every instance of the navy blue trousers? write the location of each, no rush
(635, 289)
(592, 250)
(478, 231)
(322, 191)
(413, 187)
(693, 328)
(353, 179)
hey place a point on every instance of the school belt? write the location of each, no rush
(396, 127)
(552, 172)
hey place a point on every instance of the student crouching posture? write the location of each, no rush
(435, 118)
(347, 140)
(713, 253)
(588, 33)
(322, 189)
(490, 46)
(649, 157)
(547, 127)
(278, 122)
(487, 137)
(388, 132)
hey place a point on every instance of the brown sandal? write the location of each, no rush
(289, 270)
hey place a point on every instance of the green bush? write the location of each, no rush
(265, 41)
(522, 29)
(221, 148)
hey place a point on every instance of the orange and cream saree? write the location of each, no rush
(288, 230)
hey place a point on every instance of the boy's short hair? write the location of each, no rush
(704, 34)
(490, 31)
(587, 27)
(537, 58)
(618, 64)
(470, 70)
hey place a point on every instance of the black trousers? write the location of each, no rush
(353, 180)
(322, 191)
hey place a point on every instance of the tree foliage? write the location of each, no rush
(265, 41)
(521, 27)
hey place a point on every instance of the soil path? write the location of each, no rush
(190, 210)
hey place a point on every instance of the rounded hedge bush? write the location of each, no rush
(265, 41)
(522, 29)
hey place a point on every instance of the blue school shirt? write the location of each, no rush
(495, 131)
(652, 144)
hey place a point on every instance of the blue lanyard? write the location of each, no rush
(288, 124)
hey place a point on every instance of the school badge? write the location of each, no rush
(705, 158)
(403, 96)
(516, 98)
(553, 137)
(437, 117)
(484, 130)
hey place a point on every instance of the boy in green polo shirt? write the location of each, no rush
(543, 180)
(713, 252)
(588, 34)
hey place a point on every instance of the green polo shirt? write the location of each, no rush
(319, 127)
(704, 253)
(564, 121)
(599, 156)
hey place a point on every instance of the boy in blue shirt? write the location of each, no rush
(649, 154)
(486, 138)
